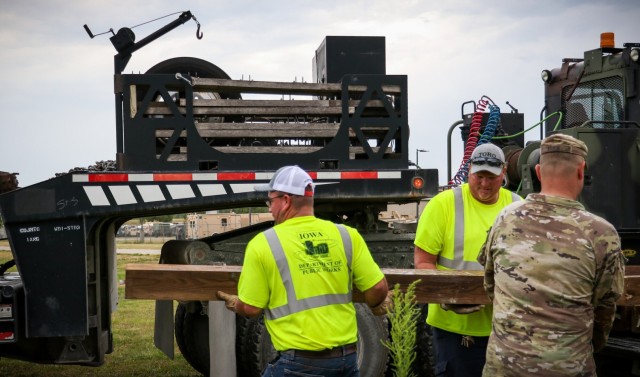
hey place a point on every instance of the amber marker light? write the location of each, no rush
(607, 40)
(417, 183)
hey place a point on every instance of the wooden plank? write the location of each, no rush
(290, 149)
(259, 110)
(273, 130)
(277, 149)
(279, 133)
(631, 295)
(272, 103)
(269, 87)
(632, 270)
(264, 130)
(200, 283)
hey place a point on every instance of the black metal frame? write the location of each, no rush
(139, 152)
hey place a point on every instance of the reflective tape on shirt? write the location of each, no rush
(458, 262)
(294, 305)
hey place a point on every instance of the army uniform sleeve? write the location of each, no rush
(609, 286)
(485, 258)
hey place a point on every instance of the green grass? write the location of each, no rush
(128, 243)
(134, 242)
(148, 246)
(134, 353)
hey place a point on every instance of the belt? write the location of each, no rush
(329, 353)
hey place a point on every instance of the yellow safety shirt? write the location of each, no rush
(437, 233)
(307, 294)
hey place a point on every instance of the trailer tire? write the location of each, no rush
(244, 326)
(372, 355)
(179, 331)
(192, 335)
(425, 354)
(256, 347)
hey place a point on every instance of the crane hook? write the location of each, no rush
(199, 34)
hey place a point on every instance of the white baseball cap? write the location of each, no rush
(487, 157)
(290, 179)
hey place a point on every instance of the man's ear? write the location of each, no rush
(538, 172)
(583, 165)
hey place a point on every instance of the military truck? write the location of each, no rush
(187, 141)
(596, 99)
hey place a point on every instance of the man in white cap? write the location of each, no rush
(451, 230)
(300, 274)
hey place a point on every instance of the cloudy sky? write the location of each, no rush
(57, 111)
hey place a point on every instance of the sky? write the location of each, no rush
(58, 112)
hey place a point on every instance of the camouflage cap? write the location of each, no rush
(561, 143)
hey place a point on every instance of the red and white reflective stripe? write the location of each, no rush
(231, 176)
(157, 187)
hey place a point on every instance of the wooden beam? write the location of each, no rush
(243, 111)
(182, 156)
(200, 283)
(270, 103)
(269, 87)
(262, 130)
(273, 130)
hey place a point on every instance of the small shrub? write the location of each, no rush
(403, 319)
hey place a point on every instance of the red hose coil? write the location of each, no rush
(472, 141)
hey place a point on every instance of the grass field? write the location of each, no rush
(134, 353)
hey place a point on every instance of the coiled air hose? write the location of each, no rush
(473, 139)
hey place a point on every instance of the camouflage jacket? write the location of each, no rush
(554, 272)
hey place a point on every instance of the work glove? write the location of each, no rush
(462, 308)
(385, 306)
(230, 300)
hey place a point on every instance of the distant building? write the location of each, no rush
(199, 225)
(407, 210)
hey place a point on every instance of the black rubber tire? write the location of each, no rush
(192, 335)
(372, 355)
(245, 351)
(178, 321)
(256, 348)
(193, 67)
(425, 357)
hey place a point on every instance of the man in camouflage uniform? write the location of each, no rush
(553, 271)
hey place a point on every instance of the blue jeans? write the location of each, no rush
(453, 359)
(290, 365)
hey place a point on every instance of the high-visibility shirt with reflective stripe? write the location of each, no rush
(438, 229)
(306, 295)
